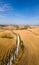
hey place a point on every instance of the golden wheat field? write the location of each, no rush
(7, 41)
(30, 38)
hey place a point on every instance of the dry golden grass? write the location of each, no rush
(30, 38)
(6, 43)
(9, 27)
(35, 30)
(31, 43)
(6, 34)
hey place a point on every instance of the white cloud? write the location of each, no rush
(4, 7)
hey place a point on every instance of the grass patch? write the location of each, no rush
(6, 36)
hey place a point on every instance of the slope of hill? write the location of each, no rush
(6, 42)
(31, 43)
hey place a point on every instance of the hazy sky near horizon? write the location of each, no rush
(19, 11)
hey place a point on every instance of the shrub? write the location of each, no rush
(7, 36)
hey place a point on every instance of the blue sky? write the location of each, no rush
(19, 12)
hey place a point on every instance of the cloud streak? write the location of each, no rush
(4, 7)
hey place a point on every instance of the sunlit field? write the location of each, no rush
(30, 38)
(7, 41)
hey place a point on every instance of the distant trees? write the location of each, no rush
(17, 27)
(22, 28)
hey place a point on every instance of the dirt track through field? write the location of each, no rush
(31, 53)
